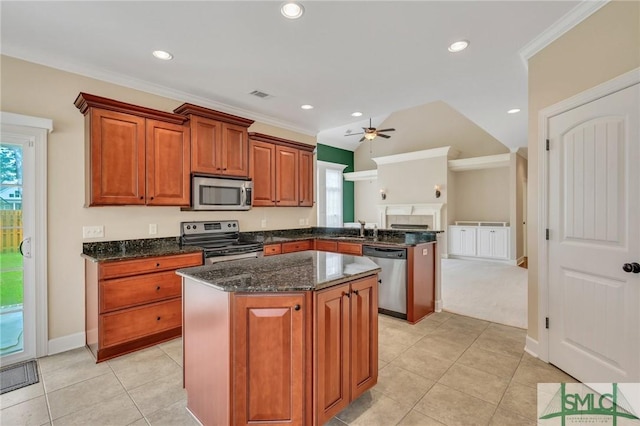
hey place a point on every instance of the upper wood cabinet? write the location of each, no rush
(219, 141)
(134, 155)
(282, 171)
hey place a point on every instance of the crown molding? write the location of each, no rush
(361, 175)
(572, 18)
(144, 86)
(445, 151)
(477, 163)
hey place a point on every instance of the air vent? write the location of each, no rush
(260, 94)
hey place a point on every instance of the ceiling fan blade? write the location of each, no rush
(387, 130)
(351, 134)
(383, 136)
(363, 138)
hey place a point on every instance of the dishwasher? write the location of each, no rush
(392, 292)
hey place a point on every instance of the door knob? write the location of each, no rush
(631, 267)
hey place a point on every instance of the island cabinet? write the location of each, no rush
(421, 286)
(132, 304)
(288, 247)
(282, 172)
(345, 345)
(339, 247)
(134, 155)
(219, 141)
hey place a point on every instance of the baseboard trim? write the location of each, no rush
(438, 306)
(531, 347)
(66, 343)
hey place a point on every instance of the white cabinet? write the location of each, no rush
(490, 242)
(493, 242)
(462, 240)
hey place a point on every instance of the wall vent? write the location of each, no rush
(260, 94)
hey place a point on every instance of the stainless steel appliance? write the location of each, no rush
(392, 292)
(219, 239)
(215, 193)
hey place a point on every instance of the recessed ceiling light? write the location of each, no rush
(291, 10)
(458, 46)
(356, 114)
(513, 111)
(307, 106)
(161, 54)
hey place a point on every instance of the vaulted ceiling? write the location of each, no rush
(376, 57)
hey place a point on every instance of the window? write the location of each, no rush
(330, 194)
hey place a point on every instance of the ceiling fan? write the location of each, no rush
(371, 132)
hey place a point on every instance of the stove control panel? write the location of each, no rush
(211, 227)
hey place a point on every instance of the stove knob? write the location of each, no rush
(194, 226)
(188, 226)
(228, 225)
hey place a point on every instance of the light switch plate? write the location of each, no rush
(153, 229)
(263, 223)
(95, 231)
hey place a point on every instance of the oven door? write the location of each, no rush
(220, 193)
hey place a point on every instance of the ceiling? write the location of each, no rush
(376, 57)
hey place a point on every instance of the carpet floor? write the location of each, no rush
(490, 291)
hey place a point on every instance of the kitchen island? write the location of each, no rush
(289, 339)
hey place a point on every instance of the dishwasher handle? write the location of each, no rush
(384, 252)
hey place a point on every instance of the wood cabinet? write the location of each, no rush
(421, 285)
(219, 141)
(271, 249)
(294, 246)
(134, 155)
(343, 247)
(282, 171)
(270, 352)
(326, 245)
(346, 345)
(132, 304)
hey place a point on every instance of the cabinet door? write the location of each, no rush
(294, 246)
(306, 179)
(364, 335)
(262, 171)
(234, 150)
(272, 249)
(324, 245)
(331, 351)
(206, 138)
(286, 176)
(117, 163)
(354, 249)
(269, 359)
(485, 242)
(168, 164)
(468, 241)
(500, 247)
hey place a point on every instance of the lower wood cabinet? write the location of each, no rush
(343, 247)
(288, 247)
(270, 359)
(132, 304)
(345, 345)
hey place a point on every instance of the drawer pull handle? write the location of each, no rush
(158, 319)
(158, 288)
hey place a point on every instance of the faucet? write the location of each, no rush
(375, 232)
(361, 222)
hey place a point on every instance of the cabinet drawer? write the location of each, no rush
(325, 245)
(350, 248)
(272, 249)
(122, 326)
(125, 268)
(126, 292)
(297, 246)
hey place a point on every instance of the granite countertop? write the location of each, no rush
(135, 249)
(301, 271)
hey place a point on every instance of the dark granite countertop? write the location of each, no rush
(301, 271)
(104, 251)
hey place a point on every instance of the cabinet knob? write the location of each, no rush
(152, 198)
(157, 265)
(356, 292)
(158, 319)
(297, 307)
(142, 198)
(348, 294)
(217, 168)
(158, 288)
(224, 168)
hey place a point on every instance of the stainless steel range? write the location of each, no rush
(219, 239)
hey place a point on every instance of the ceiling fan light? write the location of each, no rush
(369, 136)
(292, 10)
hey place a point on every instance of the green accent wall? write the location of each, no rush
(341, 156)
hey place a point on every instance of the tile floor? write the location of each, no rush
(446, 370)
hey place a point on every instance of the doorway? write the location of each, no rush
(23, 313)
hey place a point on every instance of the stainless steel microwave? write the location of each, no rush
(215, 193)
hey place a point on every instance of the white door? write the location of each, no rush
(485, 243)
(594, 223)
(500, 243)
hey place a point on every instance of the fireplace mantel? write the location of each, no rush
(429, 209)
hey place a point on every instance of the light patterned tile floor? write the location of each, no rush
(446, 370)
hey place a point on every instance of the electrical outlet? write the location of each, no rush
(153, 229)
(96, 231)
(300, 221)
(263, 223)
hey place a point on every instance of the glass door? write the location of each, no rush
(17, 324)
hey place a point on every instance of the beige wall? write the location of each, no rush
(366, 200)
(600, 48)
(36, 90)
(482, 194)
